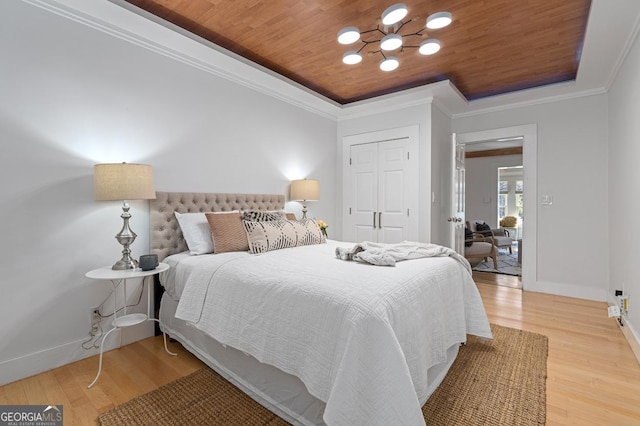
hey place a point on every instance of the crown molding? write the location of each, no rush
(118, 19)
(442, 94)
(126, 22)
(623, 54)
(526, 103)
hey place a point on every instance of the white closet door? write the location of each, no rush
(364, 183)
(380, 192)
(393, 218)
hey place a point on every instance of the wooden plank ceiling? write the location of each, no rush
(491, 47)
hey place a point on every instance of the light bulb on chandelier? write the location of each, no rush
(394, 14)
(429, 47)
(390, 37)
(348, 35)
(351, 57)
(389, 63)
(438, 20)
(391, 42)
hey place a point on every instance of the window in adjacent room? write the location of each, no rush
(511, 194)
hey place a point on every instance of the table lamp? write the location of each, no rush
(123, 182)
(304, 190)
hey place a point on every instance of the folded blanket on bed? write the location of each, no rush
(388, 254)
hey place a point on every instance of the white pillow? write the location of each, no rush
(196, 231)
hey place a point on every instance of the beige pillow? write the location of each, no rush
(291, 216)
(312, 233)
(270, 235)
(227, 231)
(279, 234)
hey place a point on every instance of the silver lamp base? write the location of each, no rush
(123, 264)
(126, 237)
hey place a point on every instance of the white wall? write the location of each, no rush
(572, 135)
(441, 158)
(481, 186)
(72, 96)
(624, 181)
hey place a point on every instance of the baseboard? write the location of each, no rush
(589, 293)
(628, 331)
(632, 337)
(48, 359)
(568, 290)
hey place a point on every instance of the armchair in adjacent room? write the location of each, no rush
(500, 235)
(479, 247)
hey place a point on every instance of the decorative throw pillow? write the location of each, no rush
(291, 216)
(271, 235)
(312, 235)
(278, 234)
(228, 232)
(468, 235)
(196, 232)
(263, 215)
(484, 229)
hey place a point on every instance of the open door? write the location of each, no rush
(456, 218)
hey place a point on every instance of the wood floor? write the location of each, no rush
(593, 376)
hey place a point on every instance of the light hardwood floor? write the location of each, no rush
(593, 376)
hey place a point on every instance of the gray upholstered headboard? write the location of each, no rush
(166, 237)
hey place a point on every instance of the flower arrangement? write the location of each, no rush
(323, 227)
(509, 221)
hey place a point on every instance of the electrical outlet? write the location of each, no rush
(613, 311)
(624, 304)
(94, 314)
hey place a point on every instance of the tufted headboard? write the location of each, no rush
(166, 237)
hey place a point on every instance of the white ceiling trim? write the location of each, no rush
(131, 27)
(535, 101)
(611, 25)
(623, 55)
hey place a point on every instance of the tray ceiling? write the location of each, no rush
(492, 47)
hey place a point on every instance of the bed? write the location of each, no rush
(315, 339)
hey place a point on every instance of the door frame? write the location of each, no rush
(412, 133)
(529, 132)
(457, 203)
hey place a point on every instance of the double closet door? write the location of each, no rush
(381, 192)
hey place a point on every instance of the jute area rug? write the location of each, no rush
(499, 382)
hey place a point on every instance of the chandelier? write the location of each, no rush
(390, 38)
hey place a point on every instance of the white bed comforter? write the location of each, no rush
(361, 338)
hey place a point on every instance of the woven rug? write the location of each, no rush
(498, 382)
(507, 264)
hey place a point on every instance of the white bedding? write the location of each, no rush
(360, 337)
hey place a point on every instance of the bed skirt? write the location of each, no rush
(280, 392)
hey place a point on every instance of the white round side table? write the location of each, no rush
(117, 277)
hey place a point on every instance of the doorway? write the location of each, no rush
(528, 136)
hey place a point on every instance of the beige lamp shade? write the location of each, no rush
(305, 190)
(123, 181)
